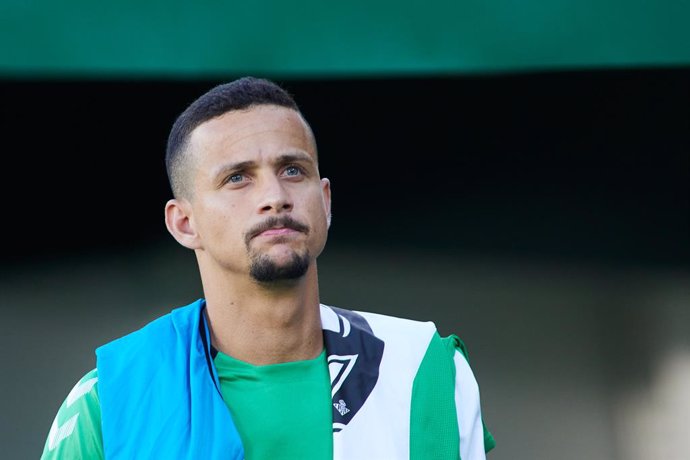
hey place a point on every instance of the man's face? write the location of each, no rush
(258, 204)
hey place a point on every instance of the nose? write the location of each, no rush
(274, 197)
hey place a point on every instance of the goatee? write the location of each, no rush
(264, 270)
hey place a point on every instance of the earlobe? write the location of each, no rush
(178, 220)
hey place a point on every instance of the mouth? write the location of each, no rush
(277, 227)
(279, 231)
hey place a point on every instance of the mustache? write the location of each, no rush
(275, 222)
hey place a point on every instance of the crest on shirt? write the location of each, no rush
(341, 407)
(354, 357)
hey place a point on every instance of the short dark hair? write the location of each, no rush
(238, 94)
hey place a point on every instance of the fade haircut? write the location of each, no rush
(239, 94)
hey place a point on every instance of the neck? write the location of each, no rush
(265, 323)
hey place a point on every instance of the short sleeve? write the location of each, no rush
(76, 429)
(475, 438)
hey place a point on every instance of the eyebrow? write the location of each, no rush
(293, 157)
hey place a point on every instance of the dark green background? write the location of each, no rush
(323, 39)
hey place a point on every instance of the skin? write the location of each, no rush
(247, 167)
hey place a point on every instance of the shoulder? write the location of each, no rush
(82, 396)
(403, 342)
(153, 332)
(381, 325)
(468, 400)
(453, 344)
(76, 428)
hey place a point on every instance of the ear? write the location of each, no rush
(326, 195)
(180, 224)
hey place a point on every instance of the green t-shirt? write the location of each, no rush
(288, 404)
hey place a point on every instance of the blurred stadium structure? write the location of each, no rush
(518, 173)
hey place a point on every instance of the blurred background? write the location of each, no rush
(517, 172)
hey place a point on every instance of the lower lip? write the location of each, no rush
(277, 232)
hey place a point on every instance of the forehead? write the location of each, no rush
(262, 129)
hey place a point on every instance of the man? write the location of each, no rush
(259, 368)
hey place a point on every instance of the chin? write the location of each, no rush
(266, 269)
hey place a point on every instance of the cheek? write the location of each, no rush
(317, 208)
(319, 218)
(220, 222)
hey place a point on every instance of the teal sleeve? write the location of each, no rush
(76, 429)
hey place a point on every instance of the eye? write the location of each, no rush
(235, 178)
(293, 171)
